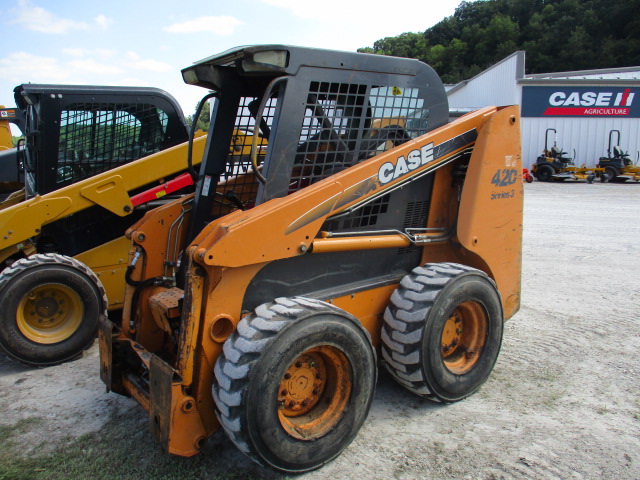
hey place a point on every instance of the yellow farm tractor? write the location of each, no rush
(361, 227)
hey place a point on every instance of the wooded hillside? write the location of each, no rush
(557, 35)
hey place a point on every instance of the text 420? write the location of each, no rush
(505, 177)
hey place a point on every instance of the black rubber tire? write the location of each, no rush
(415, 320)
(611, 174)
(254, 361)
(544, 173)
(27, 274)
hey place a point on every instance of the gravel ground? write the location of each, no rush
(562, 403)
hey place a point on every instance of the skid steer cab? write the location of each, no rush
(360, 227)
(92, 162)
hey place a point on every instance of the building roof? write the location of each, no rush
(519, 73)
(603, 76)
(603, 73)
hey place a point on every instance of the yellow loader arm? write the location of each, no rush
(109, 190)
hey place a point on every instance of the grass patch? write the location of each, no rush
(549, 375)
(124, 449)
(552, 397)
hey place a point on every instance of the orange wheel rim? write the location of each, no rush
(314, 392)
(464, 337)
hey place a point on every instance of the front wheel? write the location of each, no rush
(294, 383)
(442, 331)
(611, 173)
(50, 309)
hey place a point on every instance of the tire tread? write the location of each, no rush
(243, 349)
(42, 260)
(404, 326)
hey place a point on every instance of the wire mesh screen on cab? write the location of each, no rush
(343, 124)
(239, 181)
(95, 138)
(347, 123)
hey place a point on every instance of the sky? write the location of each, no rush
(143, 43)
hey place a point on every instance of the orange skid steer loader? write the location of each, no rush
(362, 227)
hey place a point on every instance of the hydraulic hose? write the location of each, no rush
(139, 285)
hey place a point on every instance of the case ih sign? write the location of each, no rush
(581, 102)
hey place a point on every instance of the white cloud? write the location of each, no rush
(91, 66)
(152, 65)
(358, 22)
(82, 66)
(148, 64)
(84, 52)
(40, 20)
(76, 52)
(103, 22)
(222, 25)
(24, 67)
(132, 82)
(310, 9)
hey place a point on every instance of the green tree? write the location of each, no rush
(557, 35)
(203, 120)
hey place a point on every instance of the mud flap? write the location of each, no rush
(174, 420)
(163, 380)
(105, 339)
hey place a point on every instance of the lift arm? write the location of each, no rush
(109, 190)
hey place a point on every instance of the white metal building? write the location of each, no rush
(582, 106)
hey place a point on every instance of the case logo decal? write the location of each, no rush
(416, 158)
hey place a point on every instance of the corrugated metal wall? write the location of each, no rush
(495, 86)
(589, 137)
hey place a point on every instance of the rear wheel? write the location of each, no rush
(51, 304)
(294, 383)
(611, 173)
(442, 331)
(544, 173)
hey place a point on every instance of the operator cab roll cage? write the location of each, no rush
(342, 108)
